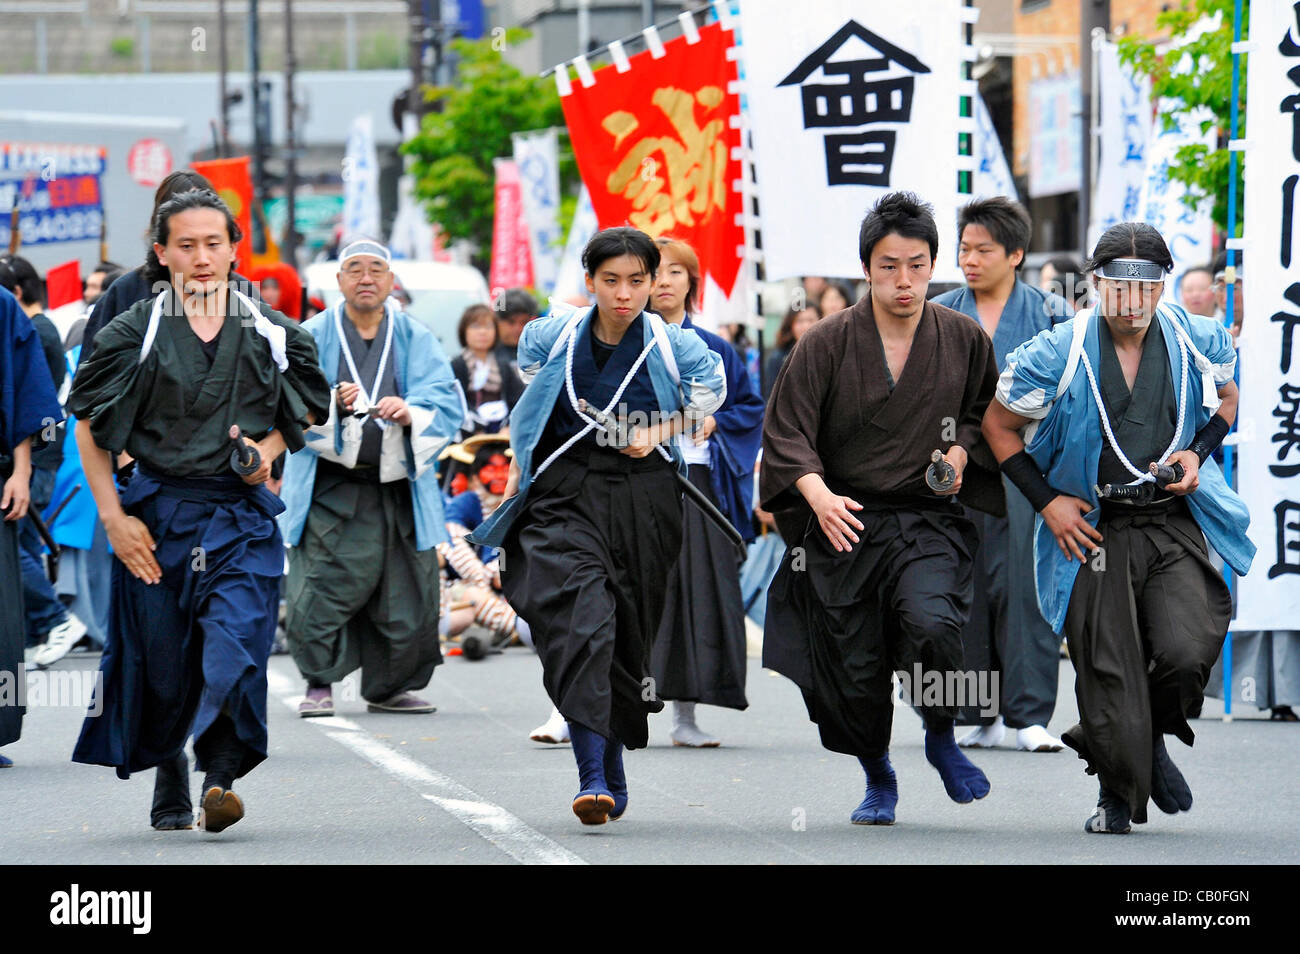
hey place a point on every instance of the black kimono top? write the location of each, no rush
(173, 412)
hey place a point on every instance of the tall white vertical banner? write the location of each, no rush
(361, 181)
(569, 283)
(1189, 232)
(1269, 480)
(1125, 125)
(992, 174)
(538, 158)
(849, 101)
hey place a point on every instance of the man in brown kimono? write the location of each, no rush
(878, 576)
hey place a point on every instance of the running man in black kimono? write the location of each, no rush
(878, 576)
(196, 594)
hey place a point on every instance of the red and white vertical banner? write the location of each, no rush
(1269, 416)
(657, 140)
(512, 264)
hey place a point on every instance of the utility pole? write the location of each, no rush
(435, 66)
(415, 30)
(1092, 14)
(289, 244)
(254, 67)
(223, 67)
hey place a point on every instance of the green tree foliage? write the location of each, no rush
(1205, 79)
(454, 149)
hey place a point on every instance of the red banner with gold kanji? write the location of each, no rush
(655, 144)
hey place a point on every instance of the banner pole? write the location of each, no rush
(1230, 279)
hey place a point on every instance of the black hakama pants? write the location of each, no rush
(194, 647)
(1146, 621)
(13, 634)
(586, 565)
(699, 652)
(839, 624)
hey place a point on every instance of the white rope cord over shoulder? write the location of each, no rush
(368, 400)
(1142, 478)
(592, 423)
(275, 336)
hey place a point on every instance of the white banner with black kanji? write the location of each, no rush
(1270, 341)
(848, 101)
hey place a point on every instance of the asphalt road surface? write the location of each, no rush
(467, 785)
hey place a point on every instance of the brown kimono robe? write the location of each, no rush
(840, 623)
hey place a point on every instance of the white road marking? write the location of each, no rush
(498, 826)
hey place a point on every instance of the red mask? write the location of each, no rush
(459, 484)
(494, 474)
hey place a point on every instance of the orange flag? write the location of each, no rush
(231, 179)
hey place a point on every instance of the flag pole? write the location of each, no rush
(1230, 277)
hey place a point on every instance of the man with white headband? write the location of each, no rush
(363, 511)
(1122, 407)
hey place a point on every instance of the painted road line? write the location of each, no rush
(498, 826)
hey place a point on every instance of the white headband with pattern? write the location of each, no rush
(1132, 270)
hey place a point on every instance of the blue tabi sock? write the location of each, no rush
(963, 781)
(615, 777)
(878, 806)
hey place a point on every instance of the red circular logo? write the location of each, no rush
(149, 162)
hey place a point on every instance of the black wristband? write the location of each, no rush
(1024, 473)
(1209, 437)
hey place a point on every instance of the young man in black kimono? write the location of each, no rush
(878, 576)
(196, 594)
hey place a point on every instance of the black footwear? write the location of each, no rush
(171, 795)
(220, 809)
(1110, 817)
(174, 822)
(1283, 714)
(1169, 790)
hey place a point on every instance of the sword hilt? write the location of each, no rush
(615, 431)
(244, 458)
(1167, 473)
(940, 475)
(1138, 493)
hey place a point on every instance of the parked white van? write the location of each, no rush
(439, 292)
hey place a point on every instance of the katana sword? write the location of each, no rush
(618, 436)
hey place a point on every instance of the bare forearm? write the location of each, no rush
(22, 458)
(98, 466)
(811, 486)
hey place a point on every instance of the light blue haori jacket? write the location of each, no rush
(1067, 440)
(699, 389)
(428, 386)
(1027, 312)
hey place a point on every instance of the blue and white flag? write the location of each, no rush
(1125, 129)
(361, 181)
(569, 279)
(1188, 232)
(537, 156)
(992, 174)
